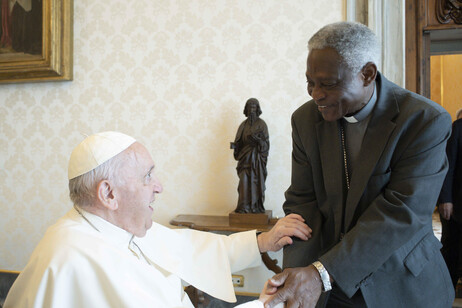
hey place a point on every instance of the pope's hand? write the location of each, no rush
(297, 287)
(280, 235)
(266, 294)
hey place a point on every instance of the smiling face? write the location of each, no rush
(137, 192)
(335, 90)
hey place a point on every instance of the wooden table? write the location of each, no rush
(217, 223)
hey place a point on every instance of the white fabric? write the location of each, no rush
(76, 266)
(95, 150)
(257, 304)
(351, 119)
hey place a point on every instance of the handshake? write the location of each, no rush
(294, 287)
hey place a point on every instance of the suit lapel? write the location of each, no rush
(375, 139)
(331, 161)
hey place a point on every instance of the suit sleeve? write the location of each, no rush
(301, 199)
(400, 213)
(446, 194)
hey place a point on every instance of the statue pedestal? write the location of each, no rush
(250, 218)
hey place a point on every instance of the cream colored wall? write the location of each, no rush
(175, 75)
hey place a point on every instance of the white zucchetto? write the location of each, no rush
(95, 150)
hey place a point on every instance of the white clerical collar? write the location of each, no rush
(365, 111)
(108, 230)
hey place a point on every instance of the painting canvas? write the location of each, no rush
(36, 40)
(21, 30)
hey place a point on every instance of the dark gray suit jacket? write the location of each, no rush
(452, 186)
(389, 250)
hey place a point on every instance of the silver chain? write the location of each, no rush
(81, 214)
(139, 249)
(345, 156)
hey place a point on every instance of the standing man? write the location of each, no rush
(450, 204)
(368, 162)
(107, 252)
(251, 148)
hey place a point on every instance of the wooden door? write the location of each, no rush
(427, 21)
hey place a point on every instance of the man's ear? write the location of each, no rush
(106, 195)
(369, 73)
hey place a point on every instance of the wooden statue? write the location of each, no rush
(251, 148)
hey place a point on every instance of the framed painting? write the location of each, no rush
(36, 40)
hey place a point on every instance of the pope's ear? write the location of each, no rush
(369, 73)
(106, 195)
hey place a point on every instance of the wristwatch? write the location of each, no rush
(325, 278)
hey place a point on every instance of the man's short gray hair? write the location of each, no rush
(355, 43)
(82, 189)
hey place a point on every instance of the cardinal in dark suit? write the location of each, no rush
(368, 163)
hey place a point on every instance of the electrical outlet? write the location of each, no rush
(238, 280)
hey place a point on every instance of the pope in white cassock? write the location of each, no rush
(107, 252)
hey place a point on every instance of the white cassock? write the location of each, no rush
(75, 265)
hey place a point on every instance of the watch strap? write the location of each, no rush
(325, 278)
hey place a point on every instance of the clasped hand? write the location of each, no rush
(280, 235)
(296, 287)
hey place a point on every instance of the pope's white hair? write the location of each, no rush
(83, 189)
(355, 43)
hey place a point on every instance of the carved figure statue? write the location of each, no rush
(251, 148)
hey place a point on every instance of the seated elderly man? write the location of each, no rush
(107, 252)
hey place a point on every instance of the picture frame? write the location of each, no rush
(31, 55)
